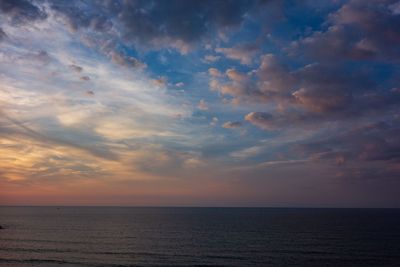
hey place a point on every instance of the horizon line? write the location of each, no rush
(200, 207)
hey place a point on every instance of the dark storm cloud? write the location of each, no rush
(21, 11)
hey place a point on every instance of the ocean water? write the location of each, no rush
(119, 236)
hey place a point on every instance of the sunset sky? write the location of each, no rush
(200, 103)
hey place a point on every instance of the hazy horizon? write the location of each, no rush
(200, 207)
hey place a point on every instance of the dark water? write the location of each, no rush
(88, 236)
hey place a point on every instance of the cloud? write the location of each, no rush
(271, 81)
(3, 35)
(262, 120)
(369, 142)
(162, 81)
(153, 24)
(356, 32)
(315, 91)
(236, 76)
(183, 24)
(231, 83)
(214, 72)
(214, 122)
(282, 162)
(86, 134)
(40, 56)
(79, 102)
(90, 93)
(324, 90)
(21, 11)
(395, 8)
(275, 77)
(202, 105)
(126, 61)
(76, 68)
(232, 125)
(82, 16)
(211, 58)
(244, 53)
(247, 152)
(363, 152)
(24, 131)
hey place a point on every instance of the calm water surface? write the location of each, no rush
(111, 236)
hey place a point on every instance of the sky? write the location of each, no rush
(200, 103)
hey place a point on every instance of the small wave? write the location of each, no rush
(226, 257)
(53, 262)
(38, 261)
(39, 250)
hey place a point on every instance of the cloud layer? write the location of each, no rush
(202, 102)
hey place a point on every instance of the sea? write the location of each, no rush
(152, 236)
